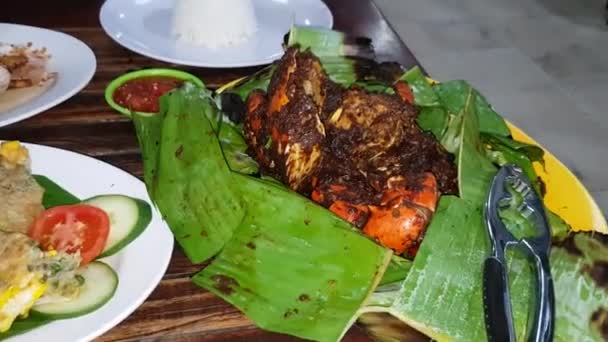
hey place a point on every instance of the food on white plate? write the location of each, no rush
(98, 283)
(129, 217)
(78, 229)
(28, 74)
(214, 24)
(28, 275)
(5, 79)
(21, 196)
(48, 257)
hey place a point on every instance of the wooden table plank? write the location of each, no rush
(177, 309)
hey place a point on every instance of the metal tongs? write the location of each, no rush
(497, 302)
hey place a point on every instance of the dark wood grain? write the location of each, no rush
(176, 310)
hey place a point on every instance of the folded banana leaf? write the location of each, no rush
(290, 265)
(283, 260)
(475, 171)
(434, 120)
(186, 173)
(245, 85)
(396, 271)
(326, 42)
(453, 96)
(442, 297)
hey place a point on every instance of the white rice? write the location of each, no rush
(214, 23)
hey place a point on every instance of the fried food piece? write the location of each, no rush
(5, 79)
(401, 220)
(285, 130)
(348, 197)
(20, 193)
(26, 65)
(28, 274)
(398, 220)
(377, 134)
(13, 62)
(357, 153)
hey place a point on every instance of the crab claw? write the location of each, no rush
(397, 227)
(400, 221)
(343, 202)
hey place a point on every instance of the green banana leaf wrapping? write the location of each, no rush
(290, 266)
(188, 179)
(434, 120)
(475, 171)
(396, 271)
(283, 260)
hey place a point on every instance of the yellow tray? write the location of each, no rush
(566, 195)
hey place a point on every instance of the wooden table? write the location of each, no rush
(176, 310)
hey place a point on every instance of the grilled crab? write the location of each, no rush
(284, 128)
(359, 154)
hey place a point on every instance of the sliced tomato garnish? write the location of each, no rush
(72, 229)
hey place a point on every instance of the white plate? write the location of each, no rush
(71, 59)
(140, 266)
(144, 26)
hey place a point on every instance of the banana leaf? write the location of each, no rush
(235, 149)
(54, 194)
(245, 85)
(502, 150)
(434, 120)
(422, 90)
(148, 129)
(453, 96)
(290, 265)
(22, 326)
(475, 171)
(268, 237)
(580, 289)
(534, 153)
(186, 173)
(375, 87)
(441, 295)
(325, 42)
(396, 271)
(347, 60)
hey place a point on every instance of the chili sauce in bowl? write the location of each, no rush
(140, 91)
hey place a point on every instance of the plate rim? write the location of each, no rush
(128, 309)
(85, 79)
(190, 63)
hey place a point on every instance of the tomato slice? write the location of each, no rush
(71, 229)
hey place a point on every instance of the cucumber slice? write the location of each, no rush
(100, 283)
(129, 217)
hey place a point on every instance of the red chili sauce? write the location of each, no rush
(142, 94)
